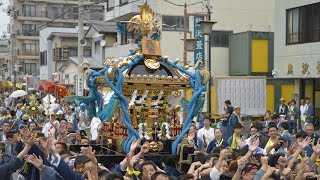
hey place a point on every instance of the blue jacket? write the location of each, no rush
(64, 170)
(7, 169)
(232, 121)
(213, 144)
(283, 112)
(33, 172)
(49, 173)
(309, 112)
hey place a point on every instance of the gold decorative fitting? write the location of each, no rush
(109, 61)
(290, 69)
(85, 62)
(156, 146)
(305, 69)
(111, 71)
(165, 57)
(142, 23)
(205, 75)
(318, 67)
(197, 64)
(152, 64)
(186, 67)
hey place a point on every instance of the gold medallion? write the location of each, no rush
(152, 64)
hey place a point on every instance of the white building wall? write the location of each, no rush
(71, 70)
(292, 54)
(231, 15)
(97, 54)
(45, 44)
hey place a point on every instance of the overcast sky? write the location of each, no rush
(4, 19)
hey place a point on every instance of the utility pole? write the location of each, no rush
(80, 34)
(79, 84)
(209, 59)
(13, 59)
(185, 16)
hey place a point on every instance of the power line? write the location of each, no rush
(182, 5)
(57, 17)
(71, 8)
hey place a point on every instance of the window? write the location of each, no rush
(173, 23)
(29, 49)
(303, 24)
(110, 5)
(129, 38)
(28, 29)
(220, 38)
(29, 10)
(96, 15)
(55, 12)
(97, 47)
(73, 14)
(43, 58)
(73, 52)
(30, 68)
(87, 52)
(124, 2)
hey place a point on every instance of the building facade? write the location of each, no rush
(5, 68)
(232, 17)
(28, 18)
(297, 44)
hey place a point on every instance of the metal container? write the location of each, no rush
(251, 53)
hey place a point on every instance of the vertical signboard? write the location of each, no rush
(79, 84)
(30, 83)
(199, 49)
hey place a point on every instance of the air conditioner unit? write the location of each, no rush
(130, 41)
(116, 44)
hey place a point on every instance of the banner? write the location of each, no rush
(79, 84)
(30, 83)
(199, 49)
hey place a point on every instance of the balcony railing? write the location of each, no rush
(29, 53)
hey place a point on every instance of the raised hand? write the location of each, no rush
(63, 129)
(223, 152)
(264, 160)
(283, 161)
(37, 162)
(52, 143)
(91, 153)
(305, 142)
(253, 145)
(144, 149)
(316, 148)
(269, 172)
(89, 176)
(294, 147)
(286, 171)
(25, 132)
(134, 145)
(241, 163)
(29, 140)
(133, 159)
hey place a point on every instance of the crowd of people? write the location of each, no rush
(282, 145)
